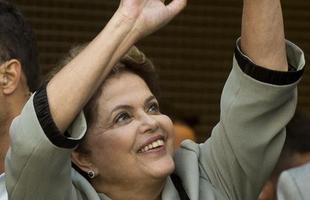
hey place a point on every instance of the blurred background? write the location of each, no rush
(192, 54)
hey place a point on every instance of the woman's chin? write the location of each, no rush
(162, 168)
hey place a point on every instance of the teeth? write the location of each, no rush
(153, 145)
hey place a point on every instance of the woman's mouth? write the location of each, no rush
(151, 146)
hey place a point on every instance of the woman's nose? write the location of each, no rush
(148, 123)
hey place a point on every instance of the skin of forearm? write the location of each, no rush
(72, 87)
(262, 34)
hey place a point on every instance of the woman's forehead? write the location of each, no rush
(124, 88)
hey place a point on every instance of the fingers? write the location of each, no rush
(176, 6)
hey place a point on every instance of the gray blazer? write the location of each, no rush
(294, 184)
(232, 165)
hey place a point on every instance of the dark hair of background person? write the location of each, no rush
(17, 41)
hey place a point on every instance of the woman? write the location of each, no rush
(127, 152)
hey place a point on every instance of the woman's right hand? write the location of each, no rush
(146, 16)
(80, 78)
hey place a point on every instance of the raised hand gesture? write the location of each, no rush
(133, 20)
(147, 16)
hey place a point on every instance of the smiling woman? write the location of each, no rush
(132, 129)
(127, 150)
(124, 120)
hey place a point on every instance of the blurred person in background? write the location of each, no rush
(19, 74)
(295, 152)
(294, 183)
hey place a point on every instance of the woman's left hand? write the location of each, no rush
(147, 16)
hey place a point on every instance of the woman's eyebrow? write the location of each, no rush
(120, 107)
(150, 98)
(127, 107)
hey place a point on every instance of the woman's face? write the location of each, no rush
(130, 140)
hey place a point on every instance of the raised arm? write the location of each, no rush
(258, 100)
(79, 79)
(262, 34)
(38, 151)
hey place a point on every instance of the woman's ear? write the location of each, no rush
(82, 161)
(10, 76)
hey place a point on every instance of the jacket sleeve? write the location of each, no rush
(35, 167)
(256, 105)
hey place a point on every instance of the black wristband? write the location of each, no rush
(47, 123)
(266, 75)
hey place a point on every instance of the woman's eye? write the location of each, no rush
(122, 118)
(153, 108)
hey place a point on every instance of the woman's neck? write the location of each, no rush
(139, 190)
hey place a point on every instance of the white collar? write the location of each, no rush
(2, 176)
(3, 193)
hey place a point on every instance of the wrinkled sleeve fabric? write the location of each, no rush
(256, 104)
(38, 166)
